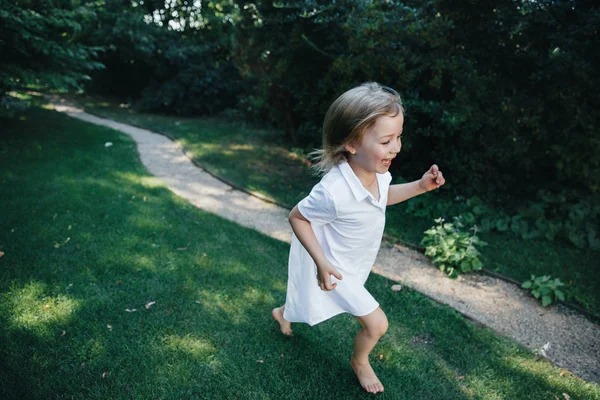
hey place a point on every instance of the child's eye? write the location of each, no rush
(386, 142)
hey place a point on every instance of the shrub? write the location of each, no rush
(545, 289)
(451, 249)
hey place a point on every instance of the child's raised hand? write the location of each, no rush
(432, 179)
(324, 273)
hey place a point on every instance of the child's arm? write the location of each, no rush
(303, 230)
(432, 179)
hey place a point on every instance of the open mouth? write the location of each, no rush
(387, 162)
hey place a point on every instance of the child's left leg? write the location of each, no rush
(284, 325)
(374, 325)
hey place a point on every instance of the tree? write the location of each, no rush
(40, 46)
(169, 56)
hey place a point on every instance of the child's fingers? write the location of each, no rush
(328, 285)
(325, 284)
(434, 169)
(440, 179)
(321, 284)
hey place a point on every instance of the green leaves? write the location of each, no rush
(451, 249)
(546, 288)
(546, 300)
(41, 45)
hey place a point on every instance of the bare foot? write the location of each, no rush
(366, 376)
(285, 326)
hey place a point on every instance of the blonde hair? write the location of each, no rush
(349, 117)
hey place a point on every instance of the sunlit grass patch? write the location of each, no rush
(222, 303)
(200, 349)
(33, 307)
(149, 182)
(257, 296)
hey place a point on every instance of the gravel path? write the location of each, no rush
(562, 335)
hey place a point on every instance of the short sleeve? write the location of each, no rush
(318, 207)
(387, 178)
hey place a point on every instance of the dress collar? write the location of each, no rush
(359, 191)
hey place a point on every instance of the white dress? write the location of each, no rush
(348, 223)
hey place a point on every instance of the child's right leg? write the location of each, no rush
(284, 325)
(374, 325)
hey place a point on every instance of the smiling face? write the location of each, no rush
(378, 146)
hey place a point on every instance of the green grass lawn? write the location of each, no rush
(258, 160)
(88, 236)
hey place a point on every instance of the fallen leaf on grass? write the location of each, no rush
(57, 245)
(132, 310)
(460, 378)
(260, 361)
(63, 333)
(105, 374)
(1, 253)
(149, 304)
(396, 288)
(182, 248)
(119, 282)
(108, 144)
(46, 306)
(109, 327)
(567, 397)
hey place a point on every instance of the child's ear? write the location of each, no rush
(351, 148)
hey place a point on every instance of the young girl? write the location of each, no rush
(339, 226)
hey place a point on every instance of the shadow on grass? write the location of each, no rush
(63, 303)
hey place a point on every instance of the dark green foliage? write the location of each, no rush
(288, 49)
(40, 46)
(534, 87)
(164, 64)
(545, 289)
(503, 97)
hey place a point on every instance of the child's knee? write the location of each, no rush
(383, 325)
(379, 327)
